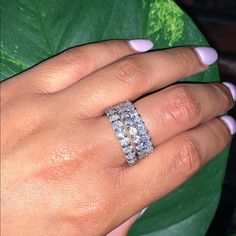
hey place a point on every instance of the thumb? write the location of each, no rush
(123, 229)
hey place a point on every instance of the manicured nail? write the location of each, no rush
(230, 123)
(140, 45)
(142, 212)
(232, 89)
(207, 55)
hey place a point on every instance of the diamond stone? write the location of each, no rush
(142, 130)
(131, 162)
(111, 111)
(136, 119)
(130, 130)
(131, 155)
(121, 135)
(140, 146)
(148, 144)
(117, 124)
(141, 153)
(145, 137)
(125, 141)
(127, 149)
(133, 130)
(114, 117)
(137, 139)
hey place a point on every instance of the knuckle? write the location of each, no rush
(183, 105)
(76, 58)
(188, 159)
(113, 48)
(183, 61)
(131, 72)
(219, 133)
(223, 93)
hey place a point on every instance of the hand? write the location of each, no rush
(63, 170)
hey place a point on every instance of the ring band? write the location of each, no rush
(131, 131)
(121, 133)
(137, 129)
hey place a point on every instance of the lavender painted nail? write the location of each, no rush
(230, 123)
(142, 212)
(140, 45)
(232, 89)
(207, 55)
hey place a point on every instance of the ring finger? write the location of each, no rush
(173, 110)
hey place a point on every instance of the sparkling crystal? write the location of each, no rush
(149, 149)
(114, 117)
(141, 153)
(110, 111)
(131, 162)
(131, 155)
(120, 135)
(117, 125)
(125, 141)
(137, 139)
(145, 137)
(126, 119)
(129, 124)
(127, 149)
(142, 130)
(140, 146)
(136, 119)
(125, 116)
(133, 130)
(148, 144)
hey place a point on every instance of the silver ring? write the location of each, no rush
(122, 135)
(129, 126)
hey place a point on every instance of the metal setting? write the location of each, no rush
(122, 135)
(131, 131)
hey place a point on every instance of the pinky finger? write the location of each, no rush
(176, 160)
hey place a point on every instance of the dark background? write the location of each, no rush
(217, 20)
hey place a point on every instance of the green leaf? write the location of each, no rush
(38, 29)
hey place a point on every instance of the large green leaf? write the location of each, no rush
(35, 30)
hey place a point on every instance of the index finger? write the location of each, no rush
(70, 66)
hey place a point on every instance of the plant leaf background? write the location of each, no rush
(32, 31)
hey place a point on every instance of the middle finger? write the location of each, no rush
(134, 76)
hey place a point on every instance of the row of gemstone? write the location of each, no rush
(124, 139)
(136, 128)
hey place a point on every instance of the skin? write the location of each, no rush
(63, 170)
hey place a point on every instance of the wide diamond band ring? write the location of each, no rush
(130, 131)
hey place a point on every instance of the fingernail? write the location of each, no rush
(207, 55)
(142, 212)
(140, 45)
(232, 89)
(230, 123)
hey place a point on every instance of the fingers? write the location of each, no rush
(72, 65)
(173, 110)
(133, 76)
(181, 107)
(175, 161)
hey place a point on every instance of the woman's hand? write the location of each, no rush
(63, 170)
